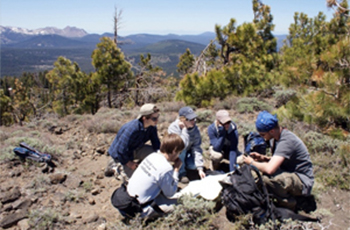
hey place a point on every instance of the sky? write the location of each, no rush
(182, 17)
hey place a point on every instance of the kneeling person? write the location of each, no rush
(289, 172)
(223, 136)
(156, 178)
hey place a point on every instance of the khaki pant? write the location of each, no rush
(284, 186)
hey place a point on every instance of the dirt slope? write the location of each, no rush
(77, 191)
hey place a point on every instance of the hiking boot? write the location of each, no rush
(110, 170)
(306, 203)
(120, 174)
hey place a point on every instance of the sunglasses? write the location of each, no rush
(194, 119)
(154, 118)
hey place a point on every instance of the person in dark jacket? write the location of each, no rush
(223, 136)
(128, 148)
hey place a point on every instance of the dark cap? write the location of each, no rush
(187, 112)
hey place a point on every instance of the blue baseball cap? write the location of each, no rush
(265, 122)
(187, 112)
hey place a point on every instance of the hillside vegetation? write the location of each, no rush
(306, 83)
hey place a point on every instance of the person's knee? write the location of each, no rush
(214, 155)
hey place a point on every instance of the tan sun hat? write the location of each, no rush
(223, 116)
(146, 109)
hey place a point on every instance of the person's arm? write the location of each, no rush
(125, 154)
(177, 166)
(269, 167)
(155, 139)
(168, 183)
(180, 130)
(198, 153)
(217, 139)
(233, 154)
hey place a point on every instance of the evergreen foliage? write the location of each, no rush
(112, 70)
(249, 54)
(6, 109)
(312, 67)
(186, 62)
(66, 81)
(316, 60)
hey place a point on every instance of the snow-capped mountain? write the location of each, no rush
(66, 32)
(15, 34)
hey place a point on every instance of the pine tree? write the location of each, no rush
(186, 62)
(113, 71)
(316, 61)
(65, 80)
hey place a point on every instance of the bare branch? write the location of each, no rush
(117, 23)
(199, 59)
(334, 4)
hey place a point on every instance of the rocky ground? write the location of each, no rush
(76, 195)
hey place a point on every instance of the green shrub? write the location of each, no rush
(45, 219)
(251, 104)
(283, 96)
(330, 158)
(190, 213)
(228, 103)
(205, 116)
(73, 196)
(166, 107)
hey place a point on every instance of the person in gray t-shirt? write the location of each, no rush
(289, 172)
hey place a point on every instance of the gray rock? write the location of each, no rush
(24, 224)
(22, 204)
(73, 181)
(10, 196)
(12, 219)
(57, 178)
(90, 219)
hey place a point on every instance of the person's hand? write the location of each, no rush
(201, 173)
(259, 157)
(181, 125)
(132, 165)
(177, 164)
(247, 159)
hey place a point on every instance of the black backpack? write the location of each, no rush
(129, 206)
(245, 196)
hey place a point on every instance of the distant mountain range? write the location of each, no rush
(25, 50)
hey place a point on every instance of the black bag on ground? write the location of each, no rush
(245, 196)
(127, 205)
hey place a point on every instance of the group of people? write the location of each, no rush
(153, 171)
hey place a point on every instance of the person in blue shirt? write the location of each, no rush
(128, 148)
(223, 135)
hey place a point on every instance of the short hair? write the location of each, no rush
(172, 142)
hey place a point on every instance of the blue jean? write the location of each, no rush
(187, 159)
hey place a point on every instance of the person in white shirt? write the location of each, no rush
(192, 155)
(157, 176)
